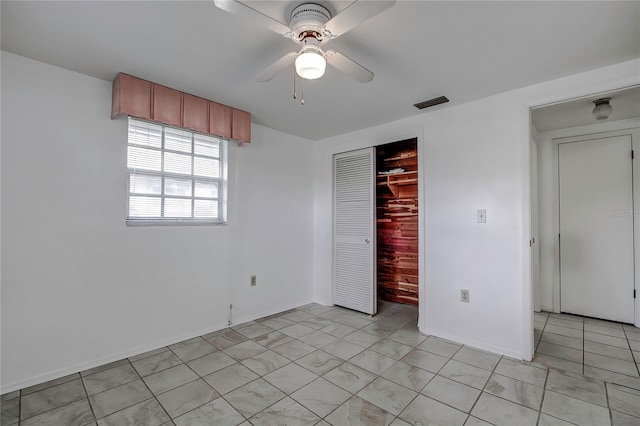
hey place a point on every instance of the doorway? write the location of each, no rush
(397, 222)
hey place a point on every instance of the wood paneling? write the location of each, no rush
(241, 125)
(220, 120)
(195, 113)
(167, 105)
(131, 96)
(397, 221)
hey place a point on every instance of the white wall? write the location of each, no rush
(474, 156)
(548, 202)
(84, 289)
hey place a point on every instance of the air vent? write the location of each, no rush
(431, 102)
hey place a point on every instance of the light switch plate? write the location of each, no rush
(482, 216)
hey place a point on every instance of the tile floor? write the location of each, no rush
(601, 349)
(327, 366)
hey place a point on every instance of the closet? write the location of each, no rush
(397, 221)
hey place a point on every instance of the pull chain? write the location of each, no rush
(295, 96)
(302, 90)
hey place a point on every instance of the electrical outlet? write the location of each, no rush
(464, 296)
(482, 216)
(253, 280)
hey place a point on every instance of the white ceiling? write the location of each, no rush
(418, 50)
(624, 103)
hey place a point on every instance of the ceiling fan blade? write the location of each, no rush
(276, 67)
(259, 18)
(348, 66)
(355, 14)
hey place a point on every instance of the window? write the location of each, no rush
(175, 176)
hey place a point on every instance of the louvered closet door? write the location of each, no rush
(354, 273)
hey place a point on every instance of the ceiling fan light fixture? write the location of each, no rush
(310, 65)
(603, 109)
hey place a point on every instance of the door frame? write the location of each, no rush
(556, 142)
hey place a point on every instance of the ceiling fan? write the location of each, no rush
(311, 25)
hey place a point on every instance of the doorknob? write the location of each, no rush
(366, 240)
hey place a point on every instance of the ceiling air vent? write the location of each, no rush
(431, 102)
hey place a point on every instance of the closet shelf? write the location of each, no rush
(394, 181)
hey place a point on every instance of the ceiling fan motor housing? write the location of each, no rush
(308, 19)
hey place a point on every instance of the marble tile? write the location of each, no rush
(358, 412)
(96, 369)
(350, 377)
(254, 397)
(621, 419)
(148, 354)
(520, 371)
(277, 323)
(473, 421)
(372, 361)
(440, 347)
(76, 413)
(235, 327)
(254, 330)
(515, 391)
(316, 323)
(387, 395)
(227, 339)
(155, 363)
(502, 412)
(547, 420)
(563, 331)
(578, 325)
(613, 364)
(613, 377)
(230, 378)
(338, 330)
(11, 395)
(409, 338)
(50, 383)
(451, 393)
(633, 335)
(635, 346)
(319, 362)
(115, 399)
(147, 413)
(574, 410)
(425, 360)
(606, 330)
(397, 422)
(318, 339)
(187, 397)
(297, 330)
(342, 349)
(610, 351)
(294, 349)
(290, 378)
(408, 376)
(562, 364)
(285, 412)
(391, 349)
(50, 398)
(606, 340)
(353, 320)
(362, 338)
(194, 350)
(321, 396)
(170, 378)
(563, 352)
(426, 411)
(244, 350)
(218, 409)
(297, 316)
(566, 316)
(185, 342)
(208, 364)
(477, 358)
(265, 362)
(624, 400)
(557, 339)
(10, 411)
(273, 339)
(381, 328)
(578, 386)
(318, 309)
(465, 373)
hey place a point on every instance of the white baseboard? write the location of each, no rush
(56, 374)
(474, 343)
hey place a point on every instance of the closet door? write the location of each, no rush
(354, 271)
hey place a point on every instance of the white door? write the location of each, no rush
(596, 228)
(354, 272)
